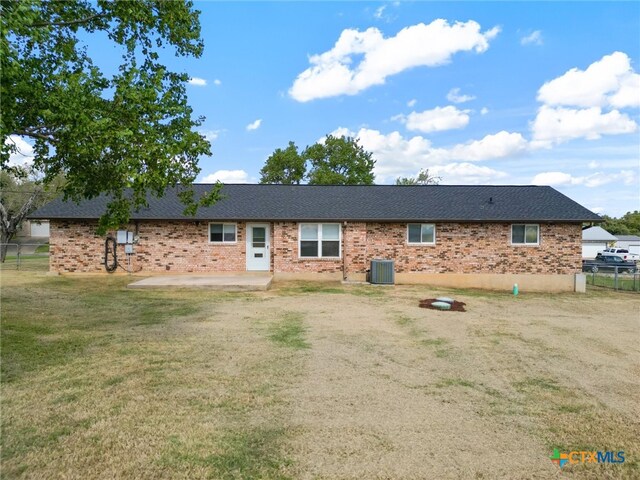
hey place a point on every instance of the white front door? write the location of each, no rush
(258, 257)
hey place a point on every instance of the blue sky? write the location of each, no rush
(506, 93)
(477, 92)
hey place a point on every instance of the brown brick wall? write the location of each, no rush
(178, 247)
(163, 247)
(478, 248)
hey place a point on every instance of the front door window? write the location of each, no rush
(259, 237)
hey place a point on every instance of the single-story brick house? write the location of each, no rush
(467, 236)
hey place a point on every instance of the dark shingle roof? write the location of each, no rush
(342, 202)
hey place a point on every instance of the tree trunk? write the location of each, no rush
(9, 221)
(4, 239)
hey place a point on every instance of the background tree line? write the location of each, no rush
(334, 161)
(628, 224)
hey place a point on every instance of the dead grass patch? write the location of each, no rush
(311, 381)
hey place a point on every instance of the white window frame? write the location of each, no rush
(319, 224)
(223, 242)
(525, 243)
(421, 242)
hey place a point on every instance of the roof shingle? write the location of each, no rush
(386, 203)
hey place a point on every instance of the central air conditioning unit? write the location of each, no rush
(381, 272)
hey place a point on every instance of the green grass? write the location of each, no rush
(536, 383)
(289, 332)
(28, 347)
(301, 288)
(250, 454)
(27, 263)
(42, 248)
(62, 324)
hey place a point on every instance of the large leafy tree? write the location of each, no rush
(339, 161)
(334, 161)
(423, 178)
(130, 131)
(284, 166)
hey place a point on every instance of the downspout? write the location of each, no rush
(344, 252)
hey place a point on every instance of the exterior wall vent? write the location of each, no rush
(382, 272)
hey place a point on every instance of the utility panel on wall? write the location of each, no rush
(124, 236)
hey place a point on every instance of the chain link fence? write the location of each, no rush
(615, 280)
(25, 256)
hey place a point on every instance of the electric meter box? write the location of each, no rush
(121, 236)
(128, 249)
(124, 237)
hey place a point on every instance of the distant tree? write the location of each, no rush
(20, 194)
(423, 178)
(339, 161)
(284, 166)
(628, 224)
(106, 133)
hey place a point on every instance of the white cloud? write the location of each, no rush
(397, 156)
(626, 177)
(254, 125)
(597, 210)
(411, 103)
(593, 164)
(227, 176)
(552, 178)
(335, 73)
(211, 135)
(197, 82)
(379, 12)
(628, 95)
(217, 82)
(585, 103)
(455, 97)
(609, 81)
(435, 120)
(500, 145)
(23, 155)
(466, 173)
(554, 125)
(534, 38)
(484, 111)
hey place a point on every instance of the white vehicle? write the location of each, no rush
(621, 252)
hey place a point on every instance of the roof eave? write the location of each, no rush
(311, 219)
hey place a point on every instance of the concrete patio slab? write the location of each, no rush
(228, 283)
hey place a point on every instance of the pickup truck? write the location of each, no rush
(621, 252)
(608, 263)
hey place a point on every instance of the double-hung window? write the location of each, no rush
(525, 234)
(222, 233)
(319, 240)
(421, 233)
